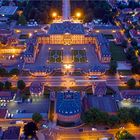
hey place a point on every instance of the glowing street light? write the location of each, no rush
(78, 14)
(30, 34)
(54, 14)
(67, 66)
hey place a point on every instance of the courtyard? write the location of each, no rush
(55, 56)
(79, 56)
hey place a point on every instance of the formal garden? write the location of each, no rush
(79, 56)
(55, 56)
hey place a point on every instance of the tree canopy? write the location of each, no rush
(37, 117)
(131, 83)
(1, 86)
(124, 135)
(7, 85)
(113, 67)
(124, 115)
(21, 84)
(14, 71)
(30, 130)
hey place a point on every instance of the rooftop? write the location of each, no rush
(66, 27)
(6, 94)
(68, 103)
(5, 32)
(131, 94)
(8, 10)
(3, 113)
(36, 87)
(100, 89)
(97, 68)
(104, 45)
(11, 133)
(106, 27)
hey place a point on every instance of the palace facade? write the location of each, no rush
(70, 33)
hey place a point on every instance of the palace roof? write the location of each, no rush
(66, 27)
(8, 10)
(104, 45)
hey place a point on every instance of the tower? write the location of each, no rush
(66, 9)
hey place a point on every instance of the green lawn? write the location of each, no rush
(117, 52)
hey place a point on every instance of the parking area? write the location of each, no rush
(38, 104)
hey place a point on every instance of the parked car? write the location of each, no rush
(93, 77)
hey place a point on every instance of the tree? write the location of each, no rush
(3, 72)
(37, 117)
(14, 71)
(8, 85)
(135, 115)
(1, 86)
(136, 68)
(124, 135)
(124, 44)
(134, 42)
(95, 116)
(130, 53)
(113, 120)
(22, 20)
(30, 130)
(113, 67)
(124, 115)
(131, 83)
(21, 85)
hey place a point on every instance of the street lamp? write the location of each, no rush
(54, 14)
(78, 14)
(67, 66)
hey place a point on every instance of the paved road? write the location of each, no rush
(67, 80)
(74, 134)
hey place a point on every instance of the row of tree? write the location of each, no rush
(4, 72)
(131, 55)
(124, 115)
(41, 10)
(131, 83)
(124, 135)
(31, 127)
(8, 85)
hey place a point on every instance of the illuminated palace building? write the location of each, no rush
(68, 31)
